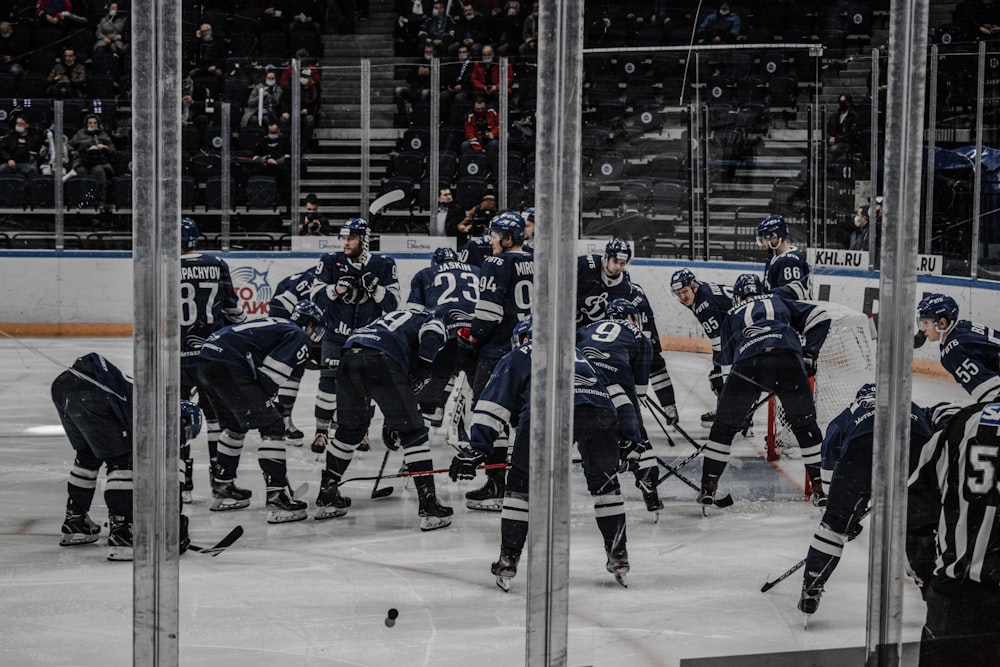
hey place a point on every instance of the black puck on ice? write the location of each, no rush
(390, 619)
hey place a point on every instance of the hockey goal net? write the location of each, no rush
(846, 361)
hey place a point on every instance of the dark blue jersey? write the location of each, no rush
(476, 250)
(595, 290)
(765, 322)
(711, 304)
(405, 336)
(506, 285)
(787, 274)
(116, 389)
(450, 289)
(273, 350)
(208, 300)
(289, 292)
(971, 353)
(346, 313)
(506, 399)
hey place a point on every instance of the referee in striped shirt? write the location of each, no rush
(953, 536)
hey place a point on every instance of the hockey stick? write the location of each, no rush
(723, 503)
(388, 199)
(384, 491)
(221, 545)
(423, 473)
(645, 401)
(748, 422)
(768, 585)
(58, 363)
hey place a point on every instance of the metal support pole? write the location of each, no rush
(873, 230)
(706, 176)
(225, 151)
(295, 142)
(977, 181)
(814, 171)
(931, 151)
(366, 134)
(57, 176)
(156, 121)
(692, 118)
(897, 293)
(504, 112)
(560, 82)
(433, 188)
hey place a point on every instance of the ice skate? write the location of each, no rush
(329, 503)
(709, 487)
(282, 507)
(811, 593)
(433, 514)
(188, 484)
(708, 419)
(618, 564)
(227, 496)
(78, 529)
(119, 539)
(505, 568)
(365, 445)
(650, 496)
(818, 497)
(318, 445)
(293, 436)
(488, 497)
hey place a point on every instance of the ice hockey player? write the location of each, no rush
(506, 285)
(601, 279)
(450, 289)
(288, 292)
(786, 271)
(969, 351)
(847, 478)
(507, 399)
(529, 227)
(354, 287)
(386, 361)
(619, 353)
(953, 536)
(208, 303)
(709, 302)
(240, 369)
(760, 341)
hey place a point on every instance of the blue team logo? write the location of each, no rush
(584, 381)
(594, 354)
(753, 331)
(991, 415)
(252, 289)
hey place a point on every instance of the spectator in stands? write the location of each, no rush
(410, 15)
(111, 31)
(842, 128)
(529, 34)
(14, 44)
(308, 66)
(19, 149)
(474, 222)
(193, 99)
(482, 129)
(470, 31)
(264, 101)
(208, 54)
(68, 77)
(456, 78)
(449, 214)
(980, 19)
(439, 30)
(313, 222)
(273, 155)
(309, 103)
(860, 235)
(93, 153)
(418, 85)
(720, 27)
(55, 12)
(486, 77)
(307, 19)
(507, 28)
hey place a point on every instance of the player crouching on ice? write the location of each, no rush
(760, 341)
(507, 399)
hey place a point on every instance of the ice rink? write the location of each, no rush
(317, 593)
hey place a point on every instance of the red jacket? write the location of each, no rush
(479, 76)
(492, 119)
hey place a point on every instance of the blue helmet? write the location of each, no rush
(618, 248)
(355, 227)
(189, 234)
(772, 225)
(190, 421)
(747, 285)
(682, 278)
(511, 223)
(621, 309)
(307, 313)
(866, 393)
(442, 255)
(528, 214)
(936, 306)
(522, 330)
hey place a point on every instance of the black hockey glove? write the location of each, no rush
(716, 380)
(369, 282)
(919, 339)
(809, 359)
(629, 453)
(464, 465)
(390, 438)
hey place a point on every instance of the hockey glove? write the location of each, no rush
(670, 415)
(464, 465)
(390, 438)
(716, 380)
(809, 359)
(919, 339)
(369, 282)
(629, 453)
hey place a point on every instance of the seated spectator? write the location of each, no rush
(860, 235)
(470, 31)
(313, 223)
(193, 105)
(719, 27)
(410, 15)
(529, 34)
(111, 31)
(19, 149)
(456, 78)
(308, 110)
(207, 54)
(307, 18)
(93, 153)
(507, 28)
(68, 77)
(842, 128)
(979, 19)
(486, 77)
(482, 129)
(439, 30)
(14, 45)
(308, 66)
(418, 85)
(264, 102)
(56, 13)
(449, 214)
(273, 155)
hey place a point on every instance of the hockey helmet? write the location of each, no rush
(190, 420)
(772, 225)
(511, 223)
(935, 306)
(355, 227)
(189, 234)
(622, 309)
(866, 393)
(618, 248)
(522, 330)
(442, 255)
(307, 313)
(528, 214)
(747, 285)
(682, 278)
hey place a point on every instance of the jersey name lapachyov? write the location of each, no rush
(506, 286)
(451, 290)
(206, 290)
(400, 334)
(971, 353)
(275, 350)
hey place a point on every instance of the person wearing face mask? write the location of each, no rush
(207, 52)
(93, 153)
(439, 29)
(470, 31)
(264, 101)
(418, 85)
(309, 104)
(508, 27)
(456, 78)
(68, 77)
(529, 33)
(842, 128)
(14, 45)
(486, 76)
(272, 157)
(111, 31)
(720, 27)
(860, 235)
(19, 149)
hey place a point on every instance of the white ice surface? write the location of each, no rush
(317, 593)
